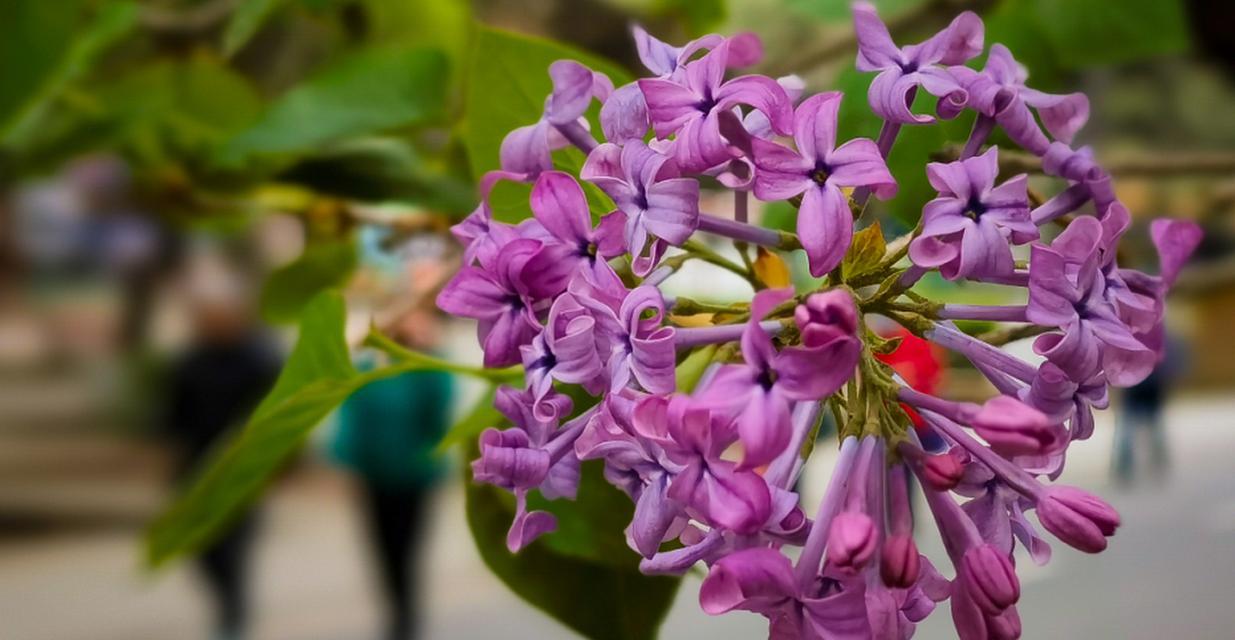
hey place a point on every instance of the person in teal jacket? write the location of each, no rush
(387, 431)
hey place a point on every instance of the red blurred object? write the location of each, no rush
(919, 362)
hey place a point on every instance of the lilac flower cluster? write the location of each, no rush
(712, 466)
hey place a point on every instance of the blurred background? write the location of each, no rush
(178, 178)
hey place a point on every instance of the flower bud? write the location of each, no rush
(1077, 517)
(826, 317)
(851, 541)
(990, 579)
(900, 563)
(942, 472)
(1013, 428)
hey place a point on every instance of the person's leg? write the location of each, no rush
(1159, 451)
(1125, 436)
(224, 565)
(392, 513)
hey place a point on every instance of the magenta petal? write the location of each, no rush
(624, 116)
(559, 204)
(764, 426)
(1062, 115)
(757, 580)
(669, 105)
(858, 163)
(763, 94)
(572, 91)
(528, 525)
(1175, 241)
(875, 47)
(825, 227)
(526, 149)
(814, 125)
(780, 172)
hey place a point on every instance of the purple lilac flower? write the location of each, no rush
(559, 205)
(720, 492)
(500, 299)
(999, 92)
(527, 149)
(903, 69)
(687, 107)
(759, 392)
(817, 171)
(659, 207)
(967, 230)
(1066, 289)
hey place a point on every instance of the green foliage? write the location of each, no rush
(698, 16)
(838, 10)
(691, 369)
(583, 575)
(323, 265)
(317, 377)
(248, 18)
(1099, 32)
(865, 253)
(42, 52)
(507, 83)
(366, 92)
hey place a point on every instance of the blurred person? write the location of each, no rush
(215, 384)
(387, 431)
(1141, 414)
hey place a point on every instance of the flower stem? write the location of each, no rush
(577, 135)
(689, 337)
(997, 313)
(1065, 202)
(812, 552)
(978, 351)
(746, 232)
(982, 128)
(414, 360)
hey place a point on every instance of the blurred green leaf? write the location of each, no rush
(42, 52)
(366, 92)
(323, 265)
(698, 16)
(600, 599)
(838, 10)
(507, 83)
(443, 24)
(380, 169)
(690, 371)
(246, 21)
(1096, 32)
(317, 377)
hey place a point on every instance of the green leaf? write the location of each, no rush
(1097, 32)
(508, 81)
(482, 416)
(601, 600)
(865, 252)
(248, 18)
(41, 54)
(838, 10)
(366, 92)
(691, 370)
(316, 378)
(698, 16)
(323, 265)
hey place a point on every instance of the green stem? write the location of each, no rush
(380, 341)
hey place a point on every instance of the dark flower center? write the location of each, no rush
(547, 361)
(766, 379)
(820, 173)
(974, 208)
(515, 302)
(707, 103)
(588, 250)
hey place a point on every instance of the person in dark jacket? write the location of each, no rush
(213, 387)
